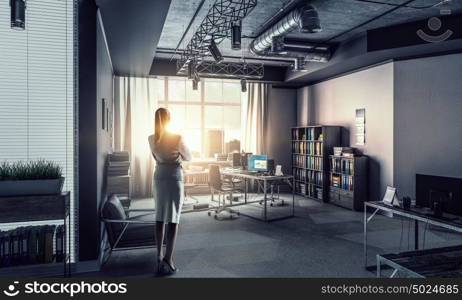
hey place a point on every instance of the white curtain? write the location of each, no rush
(255, 119)
(134, 107)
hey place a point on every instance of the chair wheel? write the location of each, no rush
(209, 213)
(271, 204)
(216, 217)
(238, 213)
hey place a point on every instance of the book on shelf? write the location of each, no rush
(31, 245)
(118, 163)
(344, 166)
(119, 156)
(308, 176)
(118, 184)
(308, 162)
(344, 182)
(307, 147)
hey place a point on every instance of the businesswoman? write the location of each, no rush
(169, 151)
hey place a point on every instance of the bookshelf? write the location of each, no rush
(348, 181)
(33, 244)
(311, 146)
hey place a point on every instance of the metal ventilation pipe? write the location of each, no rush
(305, 18)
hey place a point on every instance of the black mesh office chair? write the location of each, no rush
(125, 232)
(217, 185)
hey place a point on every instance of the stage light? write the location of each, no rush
(196, 76)
(236, 30)
(214, 51)
(309, 21)
(243, 85)
(299, 64)
(191, 70)
(195, 84)
(18, 14)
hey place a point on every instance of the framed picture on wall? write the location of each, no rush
(360, 126)
(103, 114)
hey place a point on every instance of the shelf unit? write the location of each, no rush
(311, 146)
(43, 209)
(348, 181)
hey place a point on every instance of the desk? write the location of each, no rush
(430, 263)
(264, 181)
(416, 214)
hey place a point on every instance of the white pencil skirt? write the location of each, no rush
(168, 198)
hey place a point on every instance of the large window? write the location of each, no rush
(209, 118)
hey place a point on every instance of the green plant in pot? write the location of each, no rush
(39, 177)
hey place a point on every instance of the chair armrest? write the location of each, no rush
(129, 221)
(140, 210)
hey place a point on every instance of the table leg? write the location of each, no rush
(245, 190)
(293, 196)
(365, 236)
(416, 235)
(264, 191)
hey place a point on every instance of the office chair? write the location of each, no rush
(217, 185)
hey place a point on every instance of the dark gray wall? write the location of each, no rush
(282, 115)
(88, 213)
(428, 119)
(95, 82)
(104, 91)
(335, 101)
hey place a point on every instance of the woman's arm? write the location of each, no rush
(184, 150)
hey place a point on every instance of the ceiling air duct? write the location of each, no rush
(272, 43)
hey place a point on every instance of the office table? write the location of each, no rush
(430, 263)
(264, 181)
(416, 214)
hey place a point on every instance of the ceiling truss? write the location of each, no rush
(216, 25)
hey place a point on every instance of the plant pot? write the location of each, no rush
(31, 187)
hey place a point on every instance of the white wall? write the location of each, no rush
(334, 102)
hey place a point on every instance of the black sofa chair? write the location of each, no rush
(125, 232)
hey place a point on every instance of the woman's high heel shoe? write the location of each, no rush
(167, 269)
(159, 263)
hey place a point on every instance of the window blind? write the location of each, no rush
(37, 90)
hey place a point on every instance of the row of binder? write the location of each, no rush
(310, 148)
(342, 181)
(308, 162)
(309, 190)
(32, 245)
(311, 134)
(344, 166)
(309, 176)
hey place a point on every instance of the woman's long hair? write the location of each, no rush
(161, 120)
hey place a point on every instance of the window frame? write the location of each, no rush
(202, 103)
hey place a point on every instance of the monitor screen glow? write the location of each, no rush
(258, 163)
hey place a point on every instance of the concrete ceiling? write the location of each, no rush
(133, 29)
(338, 17)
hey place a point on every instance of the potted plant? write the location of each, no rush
(38, 177)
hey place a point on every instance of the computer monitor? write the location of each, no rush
(258, 163)
(237, 159)
(445, 191)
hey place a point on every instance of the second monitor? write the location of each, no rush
(258, 163)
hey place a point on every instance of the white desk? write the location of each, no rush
(264, 182)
